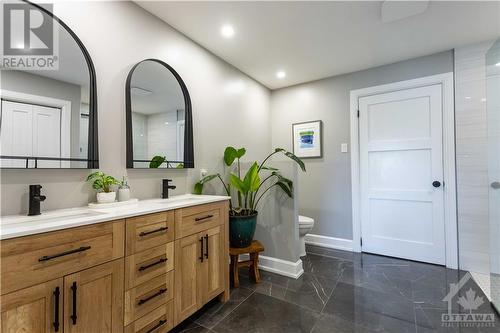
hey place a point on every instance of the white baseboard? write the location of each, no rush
(329, 242)
(279, 266)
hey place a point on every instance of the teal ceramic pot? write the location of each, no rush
(241, 230)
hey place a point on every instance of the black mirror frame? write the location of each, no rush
(188, 128)
(93, 143)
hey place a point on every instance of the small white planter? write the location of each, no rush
(103, 197)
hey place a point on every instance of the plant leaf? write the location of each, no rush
(252, 179)
(269, 168)
(157, 161)
(240, 152)
(94, 175)
(208, 178)
(230, 154)
(293, 157)
(284, 186)
(238, 184)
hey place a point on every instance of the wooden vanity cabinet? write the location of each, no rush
(138, 275)
(35, 309)
(202, 271)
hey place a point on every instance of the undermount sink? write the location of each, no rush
(54, 216)
(180, 198)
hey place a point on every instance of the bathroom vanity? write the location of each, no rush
(139, 268)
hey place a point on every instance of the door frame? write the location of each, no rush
(449, 165)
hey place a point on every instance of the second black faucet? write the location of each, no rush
(166, 187)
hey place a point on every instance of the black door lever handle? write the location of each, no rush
(436, 183)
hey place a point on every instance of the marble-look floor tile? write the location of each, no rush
(215, 311)
(190, 327)
(264, 314)
(323, 266)
(310, 291)
(350, 301)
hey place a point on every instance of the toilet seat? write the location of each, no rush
(305, 221)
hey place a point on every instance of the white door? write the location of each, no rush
(30, 130)
(47, 135)
(401, 161)
(16, 133)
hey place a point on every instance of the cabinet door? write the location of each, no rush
(93, 299)
(188, 257)
(211, 281)
(34, 309)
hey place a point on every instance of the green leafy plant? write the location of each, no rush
(157, 161)
(101, 181)
(251, 188)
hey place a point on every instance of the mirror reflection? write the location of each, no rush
(47, 114)
(157, 117)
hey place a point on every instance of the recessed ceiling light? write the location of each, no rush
(497, 64)
(280, 74)
(227, 31)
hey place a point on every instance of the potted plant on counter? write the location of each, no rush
(250, 190)
(102, 183)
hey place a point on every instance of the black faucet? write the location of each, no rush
(166, 187)
(35, 199)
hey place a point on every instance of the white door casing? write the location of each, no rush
(448, 152)
(400, 147)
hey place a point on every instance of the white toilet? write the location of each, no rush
(305, 226)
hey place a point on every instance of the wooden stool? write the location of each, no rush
(252, 264)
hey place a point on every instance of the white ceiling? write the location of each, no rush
(313, 40)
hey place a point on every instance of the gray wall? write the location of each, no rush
(43, 86)
(325, 189)
(122, 34)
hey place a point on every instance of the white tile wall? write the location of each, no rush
(472, 157)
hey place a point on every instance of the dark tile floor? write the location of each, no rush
(346, 292)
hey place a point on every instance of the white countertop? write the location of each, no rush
(21, 225)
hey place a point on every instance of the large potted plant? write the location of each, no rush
(103, 183)
(250, 190)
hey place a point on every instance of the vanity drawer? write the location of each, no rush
(148, 296)
(30, 260)
(147, 231)
(192, 220)
(145, 265)
(156, 321)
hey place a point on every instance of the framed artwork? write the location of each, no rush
(307, 139)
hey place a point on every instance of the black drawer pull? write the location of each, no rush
(145, 233)
(201, 249)
(73, 290)
(206, 246)
(143, 268)
(80, 249)
(203, 218)
(160, 323)
(144, 300)
(57, 293)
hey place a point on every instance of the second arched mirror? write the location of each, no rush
(159, 119)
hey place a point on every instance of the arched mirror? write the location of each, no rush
(47, 91)
(159, 120)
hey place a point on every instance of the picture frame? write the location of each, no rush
(307, 138)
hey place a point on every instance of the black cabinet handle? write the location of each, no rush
(145, 233)
(203, 218)
(62, 254)
(144, 300)
(201, 249)
(206, 246)
(160, 323)
(57, 293)
(73, 290)
(143, 268)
